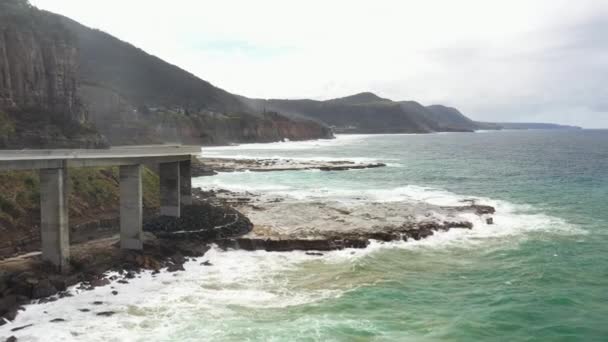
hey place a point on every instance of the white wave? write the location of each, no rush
(289, 145)
(160, 307)
(319, 158)
(510, 219)
(216, 184)
(157, 307)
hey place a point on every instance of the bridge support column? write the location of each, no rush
(131, 231)
(54, 226)
(185, 182)
(170, 189)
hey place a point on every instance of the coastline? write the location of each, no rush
(258, 291)
(172, 242)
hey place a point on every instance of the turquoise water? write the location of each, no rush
(550, 284)
(539, 274)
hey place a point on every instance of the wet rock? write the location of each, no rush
(106, 313)
(206, 263)
(265, 165)
(7, 304)
(99, 282)
(202, 222)
(57, 320)
(284, 245)
(490, 220)
(11, 339)
(84, 310)
(122, 281)
(47, 300)
(476, 208)
(115, 293)
(43, 288)
(4, 278)
(175, 268)
(98, 302)
(178, 258)
(314, 253)
(351, 167)
(22, 327)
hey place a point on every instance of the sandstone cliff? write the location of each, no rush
(39, 102)
(137, 98)
(62, 84)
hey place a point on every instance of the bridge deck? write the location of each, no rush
(115, 156)
(53, 166)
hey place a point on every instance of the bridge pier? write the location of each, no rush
(131, 231)
(169, 174)
(54, 226)
(185, 181)
(175, 184)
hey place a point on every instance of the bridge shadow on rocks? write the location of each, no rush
(202, 221)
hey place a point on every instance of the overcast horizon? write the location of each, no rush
(498, 61)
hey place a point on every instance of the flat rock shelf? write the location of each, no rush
(210, 166)
(285, 224)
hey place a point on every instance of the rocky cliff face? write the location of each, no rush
(38, 72)
(39, 101)
(123, 123)
(62, 84)
(137, 98)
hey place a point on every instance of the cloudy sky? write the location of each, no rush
(495, 60)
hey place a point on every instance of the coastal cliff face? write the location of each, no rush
(369, 113)
(39, 102)
(137, 98)
(124, 123)
(65, 85)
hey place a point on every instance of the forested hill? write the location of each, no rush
(63, 84)
(369, 113)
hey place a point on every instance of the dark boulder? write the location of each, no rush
(201, 221)
(22, 327)
(43, 288)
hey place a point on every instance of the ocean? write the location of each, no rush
(540, 273)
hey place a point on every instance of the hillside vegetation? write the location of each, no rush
(369, 113)
(94, 196)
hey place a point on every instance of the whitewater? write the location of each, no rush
(537, 273)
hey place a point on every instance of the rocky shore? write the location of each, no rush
(169, 243)
(232, 220)
(324, 226)
(210, 166)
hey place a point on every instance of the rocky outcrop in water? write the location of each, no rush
(210, 166)
(285, 224)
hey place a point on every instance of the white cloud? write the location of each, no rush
(495, 60)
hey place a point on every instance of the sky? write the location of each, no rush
(495, 60)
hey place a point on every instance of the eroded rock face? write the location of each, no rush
(39, 101)
(281, 223)
(38, 71)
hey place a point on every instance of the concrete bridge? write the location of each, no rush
(53, 165)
